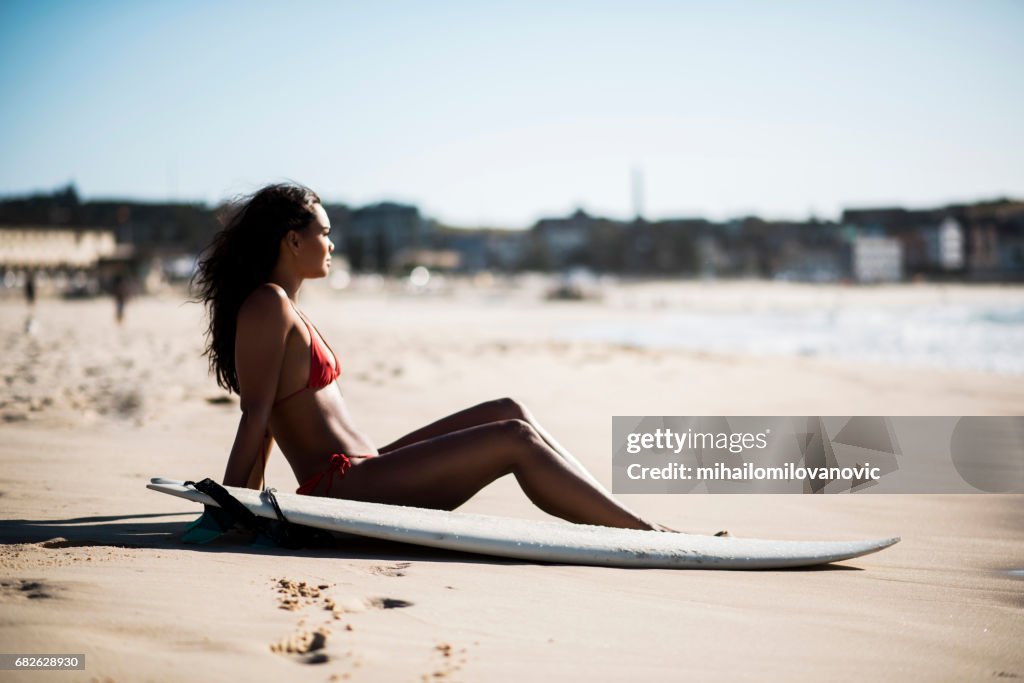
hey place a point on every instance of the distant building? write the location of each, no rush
(481, 249)
(469, 245)
(434, 259)
(506, 250)
(798, 263)
(673, 247)
(992, 239)
(563, 242)
(43, 248)
(69, 260)
(376, 233)
(949, 245)
(876, 259)
(888, 218)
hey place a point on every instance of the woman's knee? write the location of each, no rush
(515, 429)
(508, 409)
(519, 435)
(526, 446)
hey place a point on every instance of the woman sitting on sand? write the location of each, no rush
(261, 346)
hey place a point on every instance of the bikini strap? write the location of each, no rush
(311, 342)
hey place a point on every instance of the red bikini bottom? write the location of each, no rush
(339, 463)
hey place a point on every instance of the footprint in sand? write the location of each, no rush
(387, 603)
(390, 569)
(308, 646)
(31, 589)
(304, 645)
(451, 662)
(295, 595)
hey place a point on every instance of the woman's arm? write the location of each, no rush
(263, 325)
(258, 470)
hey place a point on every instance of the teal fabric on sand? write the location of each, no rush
(207, 529)
(263, 541)
(203, 530)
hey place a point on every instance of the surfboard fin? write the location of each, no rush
(206, 529)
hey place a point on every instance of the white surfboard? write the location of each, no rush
(544, 541)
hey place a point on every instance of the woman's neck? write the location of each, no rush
(289, 282)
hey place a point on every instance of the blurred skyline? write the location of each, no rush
(499, 115)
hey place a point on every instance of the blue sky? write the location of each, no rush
(488, 113)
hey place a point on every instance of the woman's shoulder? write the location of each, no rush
(266, 303)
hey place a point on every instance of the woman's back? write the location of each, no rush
(308, 415)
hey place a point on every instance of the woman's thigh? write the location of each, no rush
(480, 414)
(443, 472)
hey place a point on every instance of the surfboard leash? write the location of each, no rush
(231, 506)
(280, 532)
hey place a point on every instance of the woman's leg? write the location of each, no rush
(484, 413)
(489, 411)
(500, 410)
(445, 471)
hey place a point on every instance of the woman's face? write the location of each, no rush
(314, 252)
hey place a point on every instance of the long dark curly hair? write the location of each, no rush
(240, 258)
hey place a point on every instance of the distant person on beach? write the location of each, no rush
(263, 347)
(30, 302)
(120, 291)
(30, 290)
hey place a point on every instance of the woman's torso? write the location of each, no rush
(309, 423)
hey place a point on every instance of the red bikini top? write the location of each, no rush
(321, 371)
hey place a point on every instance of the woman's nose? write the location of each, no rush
(331, 248)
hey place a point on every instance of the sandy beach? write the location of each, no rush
(90, 562)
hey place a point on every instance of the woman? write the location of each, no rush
(263, 347)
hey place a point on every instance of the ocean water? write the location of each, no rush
(986, 338)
